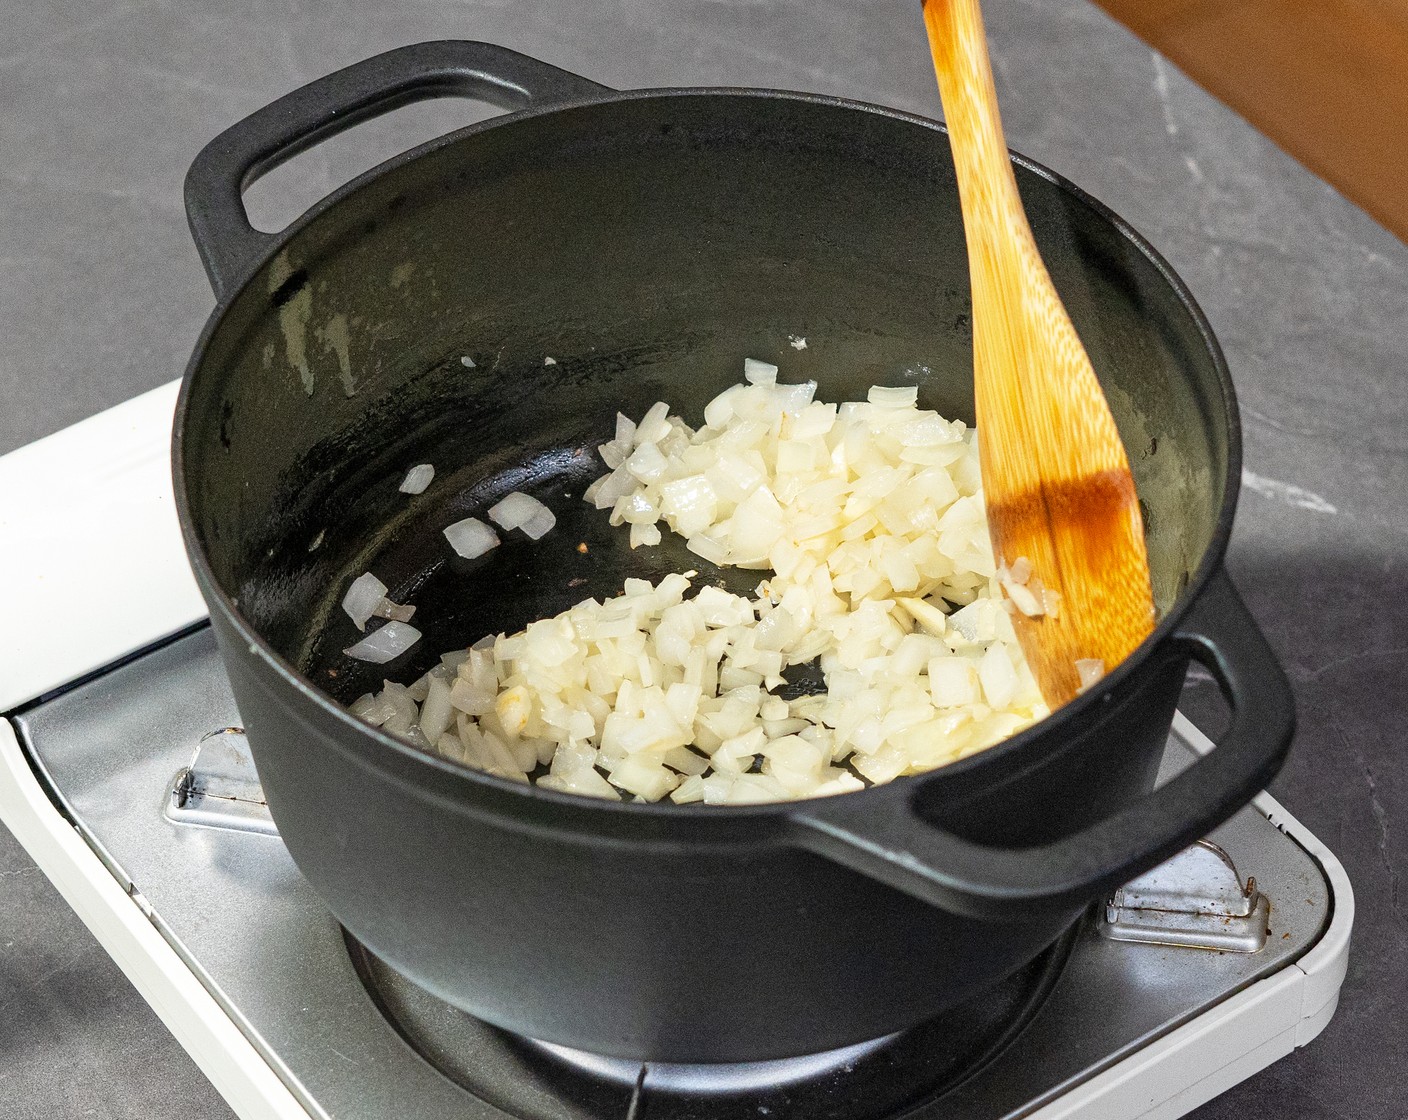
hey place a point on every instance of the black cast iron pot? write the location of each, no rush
(649, 241)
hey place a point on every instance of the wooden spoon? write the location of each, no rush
(1059, 491)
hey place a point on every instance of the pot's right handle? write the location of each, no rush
(884, 838)
(229, 246)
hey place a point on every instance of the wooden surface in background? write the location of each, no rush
(1326, 79)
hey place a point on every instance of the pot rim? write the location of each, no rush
(452, 776)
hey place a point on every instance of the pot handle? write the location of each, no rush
(887, 840)
(229, 246)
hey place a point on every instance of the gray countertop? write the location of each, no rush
(101, 296)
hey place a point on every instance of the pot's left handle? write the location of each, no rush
(229, 246)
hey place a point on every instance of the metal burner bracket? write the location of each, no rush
(1196, 900)
(220, 788)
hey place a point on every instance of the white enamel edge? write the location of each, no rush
(1242, 1035)
(91, 561)
(208, 1034)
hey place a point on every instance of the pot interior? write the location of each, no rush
(646, 245)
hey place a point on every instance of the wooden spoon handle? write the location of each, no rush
(986, 184)
(1004, 262)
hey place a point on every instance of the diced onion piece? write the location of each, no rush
(513, 709)
(625, 430)
(654, 425)
(756, 372)
(417, 479)
(540, 524)
(606, 491)
(514, 510)
(471, 538)
(646, 463)
(774, 707)
(385, 644)
(952, 682)
(708, 548)
(436, 712)
(1024, 600)
(926, 615)
(400, 612)
(792, 399)
(613, 454)
(1090, 670)
(893, 397)
(362, 599)
(375, 710)
(998, 677)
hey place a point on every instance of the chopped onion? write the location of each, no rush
(540, 524)
(515, 510)
(625, 430)
(398, 611)
(362, 599)
(606, 491)
(375, 710)
(926, 614)
(868, 520)
(794, 398)
(1025, 599)
(654, 425)
(417, 479)
(759, 373)
(885, 396)
(1090, 670)
(471, 538)
(436, 713)
(613, 454)
(385, 644)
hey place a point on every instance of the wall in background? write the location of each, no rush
(1326, 79)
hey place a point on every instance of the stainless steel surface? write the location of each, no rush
(1195, 900)
(709, 1080)
(236, 908)
(220, 788)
